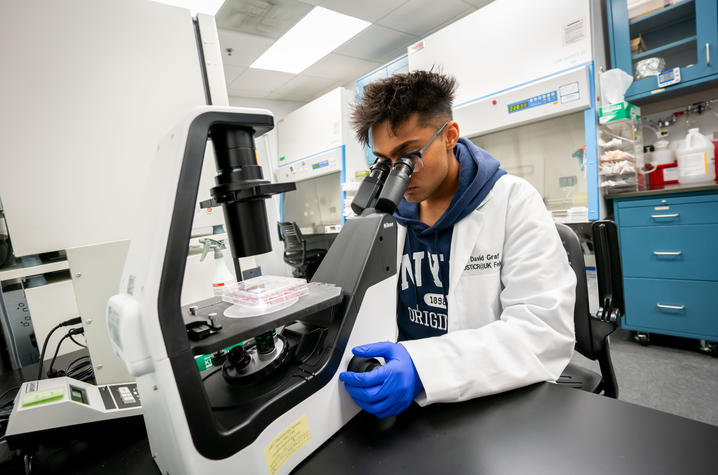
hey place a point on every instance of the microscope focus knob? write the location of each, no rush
(238, 357)
(218, 357)
(363, 365)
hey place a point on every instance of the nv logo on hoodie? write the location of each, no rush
(424, 280)
(422, 292)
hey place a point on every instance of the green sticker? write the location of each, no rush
(42, 397)
(282, 158)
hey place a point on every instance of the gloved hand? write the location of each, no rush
(388, 390)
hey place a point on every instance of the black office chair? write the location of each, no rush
(304, 261)
(592, 331)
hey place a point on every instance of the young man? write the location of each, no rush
(485, 291)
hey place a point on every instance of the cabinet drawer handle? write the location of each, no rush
(671, 307)
(708, 54)
(667, 253)
(656, 216)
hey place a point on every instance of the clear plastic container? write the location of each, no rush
(663, 153)
(620, 161)
(696, 159)
(266, 292)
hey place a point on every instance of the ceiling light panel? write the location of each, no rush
(313, 37)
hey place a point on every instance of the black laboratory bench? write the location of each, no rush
(543, 428)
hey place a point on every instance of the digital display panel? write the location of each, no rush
(546, 98)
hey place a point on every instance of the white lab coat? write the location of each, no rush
(510, 324)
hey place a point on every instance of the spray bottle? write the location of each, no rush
(222, 276)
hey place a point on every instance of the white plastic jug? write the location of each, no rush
(696, 159)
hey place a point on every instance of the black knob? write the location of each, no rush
(363, 365)
(218, 357)
(238, 357)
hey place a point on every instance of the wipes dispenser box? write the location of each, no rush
(621, 110)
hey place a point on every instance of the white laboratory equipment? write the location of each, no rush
(48, 407)
(277, 397)
(529, 99)
(317, 150)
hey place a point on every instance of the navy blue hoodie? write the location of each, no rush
(424, 271)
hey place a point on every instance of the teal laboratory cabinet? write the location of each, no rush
(684, 34)
(669, 253)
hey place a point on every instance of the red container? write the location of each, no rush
(665, 174)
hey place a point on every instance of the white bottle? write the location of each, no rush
(222, 277)
(696, 159)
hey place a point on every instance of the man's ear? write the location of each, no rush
(452, 134)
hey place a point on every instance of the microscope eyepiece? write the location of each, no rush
(371, 185)
(395, 185)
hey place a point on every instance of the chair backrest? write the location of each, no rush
(291, 235)
(581, 312)
(608, 269)
(294, 244)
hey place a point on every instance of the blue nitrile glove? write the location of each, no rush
(387, 390)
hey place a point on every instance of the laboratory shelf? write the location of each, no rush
(663, 17)
(670, 47)
(17, 271)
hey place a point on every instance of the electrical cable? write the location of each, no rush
(70, 322)
(52, 363)
(77, 342)
(44, 347)
(80, 371)
(70, 368)
(69, 334)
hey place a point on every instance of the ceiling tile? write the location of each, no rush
(266, 18)
(302, 88)
(313, 2)
(340, 68)
(369, 10)
(245, 47)
(232, 72)
(378, 44)
(421, 17)
(258, 82)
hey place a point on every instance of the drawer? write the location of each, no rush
(668, 214)
(684, 307)
(671, 252)
(669, 199)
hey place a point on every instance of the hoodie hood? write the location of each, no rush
(478, 172)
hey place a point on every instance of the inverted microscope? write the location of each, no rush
(277, 396)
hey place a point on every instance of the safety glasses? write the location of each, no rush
(416, 157)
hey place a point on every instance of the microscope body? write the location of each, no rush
(276, 423)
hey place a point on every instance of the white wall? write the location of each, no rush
(89, 88)
(271, 263)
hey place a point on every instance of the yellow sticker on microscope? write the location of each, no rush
(286, 444)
